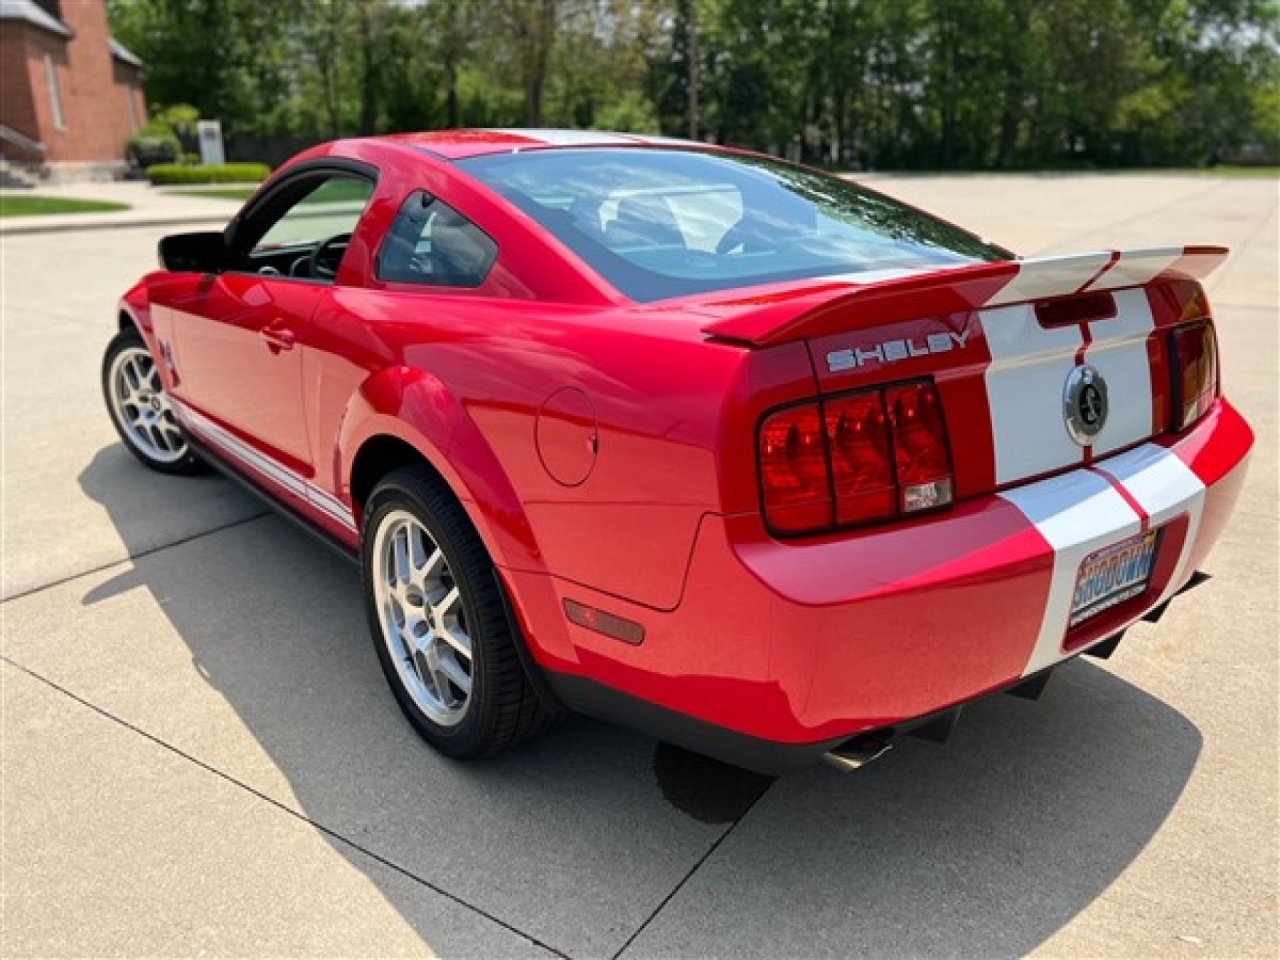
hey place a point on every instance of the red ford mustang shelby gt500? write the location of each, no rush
(720, 447)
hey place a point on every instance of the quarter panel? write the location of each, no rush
(486, 368)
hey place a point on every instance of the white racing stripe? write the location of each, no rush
(1027, 376)
(1050, 277)
(1136, 267)
(1119, 353)
(1029, 366)
(1077, 513)
(1165, 488)
(282, 476)
(565, 138)
(1082, 512)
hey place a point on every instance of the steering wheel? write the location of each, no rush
(327, 248)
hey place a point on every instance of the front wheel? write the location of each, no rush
(438, 622)
(140, 409)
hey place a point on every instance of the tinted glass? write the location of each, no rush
(333, 207)
(662, 223)
(431, 243)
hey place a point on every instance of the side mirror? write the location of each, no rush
(204, 252)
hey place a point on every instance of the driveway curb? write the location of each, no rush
(24, 229)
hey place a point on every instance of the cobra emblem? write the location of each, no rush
(1084, 402)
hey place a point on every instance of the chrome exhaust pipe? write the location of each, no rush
(856, 753)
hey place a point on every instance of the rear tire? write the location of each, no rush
(438, 621)
(140, 408)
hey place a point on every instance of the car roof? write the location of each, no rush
(460, 144)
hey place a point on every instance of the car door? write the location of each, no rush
(236, 353)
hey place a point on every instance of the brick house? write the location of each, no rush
(70, 95)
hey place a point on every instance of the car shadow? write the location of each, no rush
(985, 846)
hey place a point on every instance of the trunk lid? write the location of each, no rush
(1003, 342)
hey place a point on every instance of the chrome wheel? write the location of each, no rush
(421, 614)
(141, 409)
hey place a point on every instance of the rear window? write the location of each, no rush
(664, 223)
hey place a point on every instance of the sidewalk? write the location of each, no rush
(148, 207)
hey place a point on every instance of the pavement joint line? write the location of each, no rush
(61, 581)
(284, 808)
(688, 876)
(294, 813)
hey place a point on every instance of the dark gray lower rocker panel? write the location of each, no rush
(234, 475)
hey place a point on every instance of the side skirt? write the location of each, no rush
(301, 522)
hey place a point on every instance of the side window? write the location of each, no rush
(306, 233)
(432, 244)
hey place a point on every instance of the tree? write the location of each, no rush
(870, 83)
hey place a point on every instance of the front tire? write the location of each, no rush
(438, 622)
(140, 408)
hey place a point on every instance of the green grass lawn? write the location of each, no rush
(341, 190)
(22, 205)
(1223, 170)
(217, 193)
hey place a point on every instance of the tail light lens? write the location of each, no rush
(854, 458)
(923, 458)
(861, 457)
(793, 469)
(1194, 369)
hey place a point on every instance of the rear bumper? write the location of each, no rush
(795, 647)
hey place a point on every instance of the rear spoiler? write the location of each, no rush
(832, 308)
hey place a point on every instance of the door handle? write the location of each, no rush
(278, 337)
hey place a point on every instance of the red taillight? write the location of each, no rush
(878, 453)
(1194, 370)
(793, 469)
(861, 457)
(921, 453)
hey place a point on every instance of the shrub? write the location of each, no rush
(181, 118)
(152, 144)
(171, 173)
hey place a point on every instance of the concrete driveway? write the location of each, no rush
(200, 757)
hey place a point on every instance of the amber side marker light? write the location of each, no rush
(597, 621)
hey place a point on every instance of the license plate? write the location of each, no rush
(1113, 575)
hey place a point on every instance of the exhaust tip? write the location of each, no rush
(857, 753)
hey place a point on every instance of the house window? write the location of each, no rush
(55, 98)
(132, 97)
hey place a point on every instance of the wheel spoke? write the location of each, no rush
(130, 372)
(439, 676)
(157, 439)
(454, 671)
(426, 575)
(415, 548)
(400, 556)
(171, 432)
(455, 638)
(446, 606)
